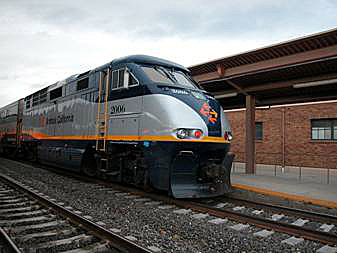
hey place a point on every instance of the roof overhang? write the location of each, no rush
(301, 70)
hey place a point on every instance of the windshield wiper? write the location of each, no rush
(167, 74)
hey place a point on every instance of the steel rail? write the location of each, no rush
(115, 240)
(9, 242)
(314, 216)
(282, 227)
(324, 237)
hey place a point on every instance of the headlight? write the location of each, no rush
(184, 133)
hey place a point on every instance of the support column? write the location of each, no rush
(250, 135)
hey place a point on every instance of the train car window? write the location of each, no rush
(132, 80)
(157, 75)
(39, 97)
(28, 101)
(36, 99)
(27, 104)
(56, 93)
(83, 84)
(114, 79)
(121, 78)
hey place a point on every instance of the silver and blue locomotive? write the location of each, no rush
(138, 119)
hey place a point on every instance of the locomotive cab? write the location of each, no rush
(185, 133)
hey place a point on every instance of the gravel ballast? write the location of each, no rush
(153, 227)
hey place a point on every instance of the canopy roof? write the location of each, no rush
(300, 70)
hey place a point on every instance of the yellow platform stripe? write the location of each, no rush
(294, 197)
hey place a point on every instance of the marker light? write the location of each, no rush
(197, 134)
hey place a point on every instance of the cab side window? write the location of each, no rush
(122, 78)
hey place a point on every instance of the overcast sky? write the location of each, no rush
(44, 41)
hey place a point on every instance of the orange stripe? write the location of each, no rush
(207, 139)
(318, 202)
(171, 138)
(11, 132)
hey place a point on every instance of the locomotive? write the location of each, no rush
(138, 120)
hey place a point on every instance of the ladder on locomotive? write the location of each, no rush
(102, 118)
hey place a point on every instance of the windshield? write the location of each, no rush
(157, 75)
(164, 75)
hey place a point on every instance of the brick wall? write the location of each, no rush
(295, 122)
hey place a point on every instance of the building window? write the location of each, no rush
(324, 129)
(258, 130)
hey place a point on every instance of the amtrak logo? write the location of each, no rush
(209, 112)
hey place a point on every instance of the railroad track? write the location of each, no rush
(31, 222)
(274, 208)
(276, 218)
(270, 218)
(274, 222)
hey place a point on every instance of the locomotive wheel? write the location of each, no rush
(88, 165)
(31, 154)
(147, 184)
(89, 170)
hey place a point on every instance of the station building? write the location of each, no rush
(302, 135)
(264, 92)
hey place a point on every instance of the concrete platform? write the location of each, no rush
(308, 185)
